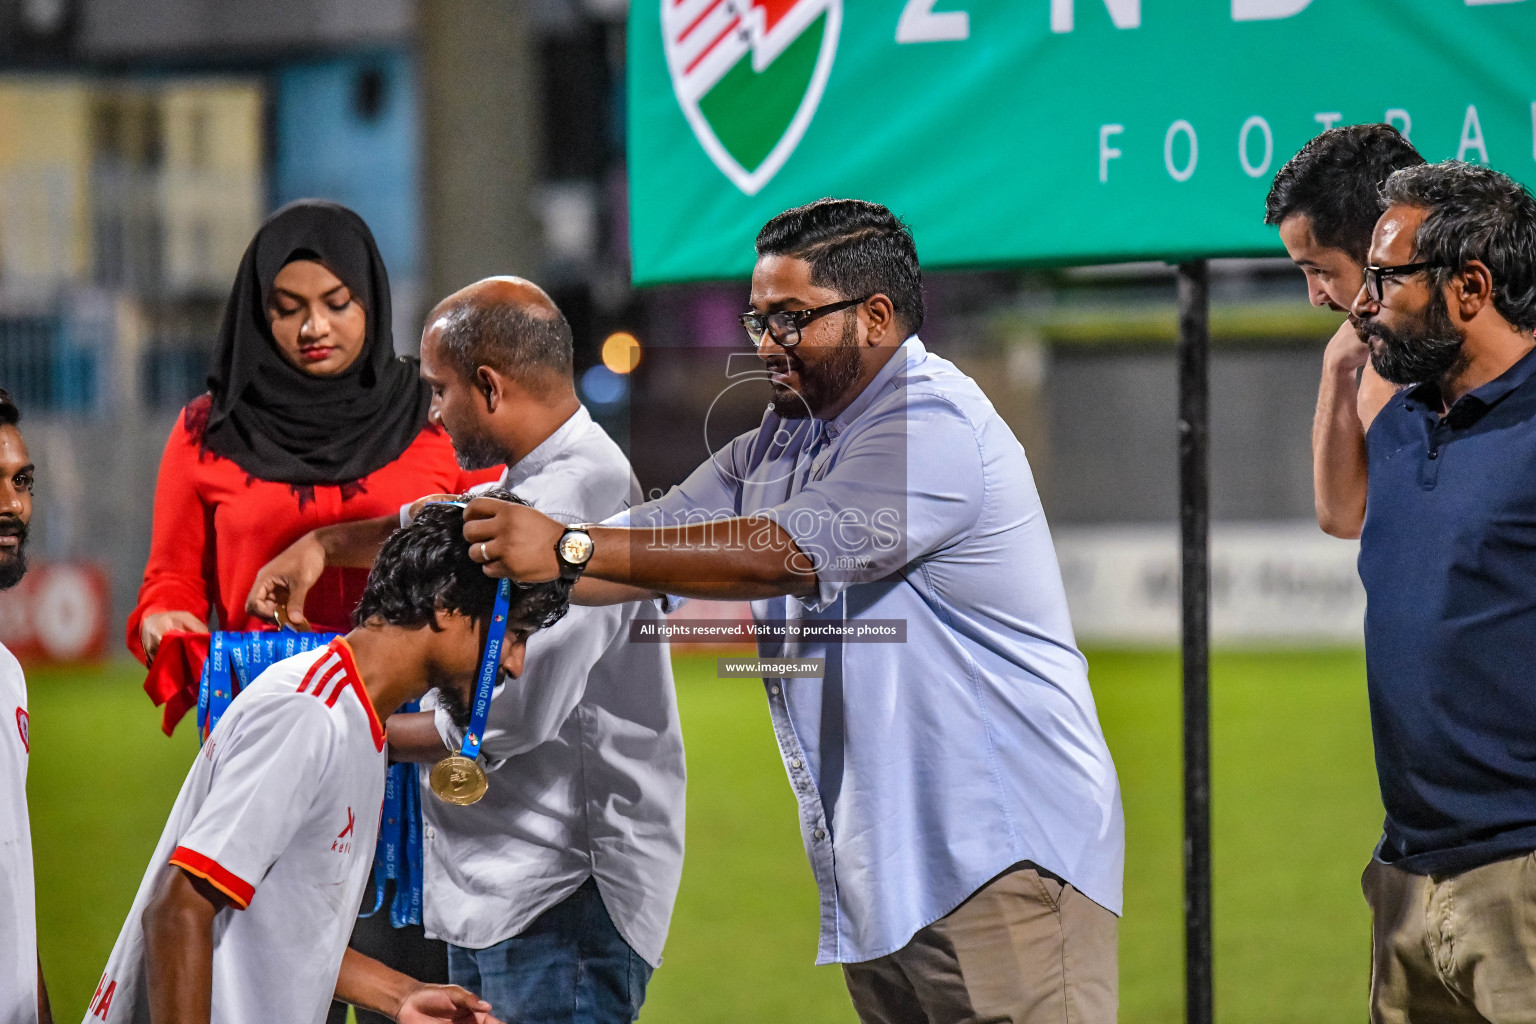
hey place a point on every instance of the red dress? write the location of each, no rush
(216, 525)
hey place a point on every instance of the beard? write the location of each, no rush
(826, 381)
(13, 563)
(1429, 350)
(459, 712)
(476, 451)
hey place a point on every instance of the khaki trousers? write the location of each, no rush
(1026, 948)
(1456, 949)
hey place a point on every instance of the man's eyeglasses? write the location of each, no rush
(1374, 276)
(786, 324)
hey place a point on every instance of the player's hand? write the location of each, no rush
(154, 626)
(440, 1004)
(286, 581)
(511, 540)
(1346, 351)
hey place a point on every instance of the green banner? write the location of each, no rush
(1041, 131)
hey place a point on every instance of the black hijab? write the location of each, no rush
(281, 424)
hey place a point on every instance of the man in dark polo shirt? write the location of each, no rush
(1448, 558)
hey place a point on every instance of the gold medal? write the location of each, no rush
(458, 780)
(284, 622)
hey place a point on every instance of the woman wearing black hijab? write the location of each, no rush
(310, 419)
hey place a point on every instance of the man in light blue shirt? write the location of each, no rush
(957, 801)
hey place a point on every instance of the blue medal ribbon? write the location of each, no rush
(399, 853)
(490, 660)
(398, 856)
(234, 662)
(490, 671)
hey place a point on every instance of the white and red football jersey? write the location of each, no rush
(280, 812)
(18, 909)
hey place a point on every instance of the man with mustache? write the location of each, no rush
(1448, 559)
(956, 798)
(1325, 200)
(23, 996)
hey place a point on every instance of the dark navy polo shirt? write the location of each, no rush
(1448, 558)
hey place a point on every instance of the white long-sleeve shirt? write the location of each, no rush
(586, 752)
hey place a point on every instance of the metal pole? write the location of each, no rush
(480, 143)
(1194, 533)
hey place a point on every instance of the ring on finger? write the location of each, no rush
(483, 556)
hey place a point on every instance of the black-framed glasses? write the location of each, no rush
(1374, 275)
(785, 325)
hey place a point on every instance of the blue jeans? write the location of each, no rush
(570, 966)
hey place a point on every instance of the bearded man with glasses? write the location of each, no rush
(1448, 559)
(956, 797)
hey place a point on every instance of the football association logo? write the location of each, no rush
(749, 75)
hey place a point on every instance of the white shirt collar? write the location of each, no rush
(548, 449)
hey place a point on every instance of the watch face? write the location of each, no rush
(576, 548)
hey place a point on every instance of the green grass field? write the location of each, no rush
(1295, 808)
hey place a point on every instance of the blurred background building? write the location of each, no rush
(142, 142)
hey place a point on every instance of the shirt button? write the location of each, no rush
(820, 834)
(773, 690)
(431, 832)
(795, 763)
(1434, 453)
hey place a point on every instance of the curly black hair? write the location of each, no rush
(10, 415)
(426, 566)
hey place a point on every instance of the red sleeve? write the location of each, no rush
(230, 884)
(181, 548)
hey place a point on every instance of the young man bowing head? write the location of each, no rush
(1325, 201)
(249, 900)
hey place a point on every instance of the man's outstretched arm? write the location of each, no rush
(178, 947)
(285, 581)
(740, 559)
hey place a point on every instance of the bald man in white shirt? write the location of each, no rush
(556, 890)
